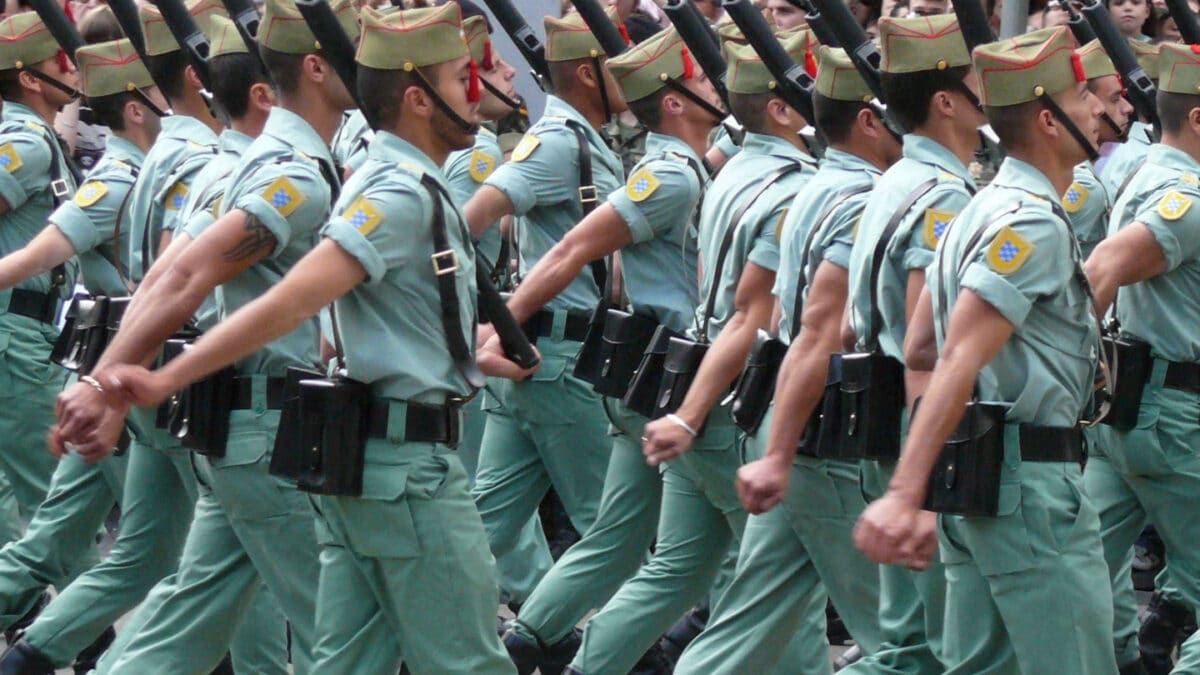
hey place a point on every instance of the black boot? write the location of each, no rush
(654, 662)
(532, 654)
(1135, 668)
(835, 629)
(684, 631)
(225, 667)
(14, 631)
(23, 658)
(85, 661)
(1160, 633)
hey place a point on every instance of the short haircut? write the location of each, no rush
(167, 71)
(100, 25)
(284, 68)
(751, 110)
(836, 118)
(381, 92)
(1173, 110)
(110, 110)
(1011, 122)
(908, 94)
(648, 109)
(232, 77)
(10, 85)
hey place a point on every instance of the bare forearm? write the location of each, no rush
(798, 390)
(47, 250)
(162, 310)
(552, 274)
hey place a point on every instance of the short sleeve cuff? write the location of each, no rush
(199, 221)
(765, 256)
(917, 258)
(725, 144)
(11, 190)
(1171, 247)
(639, 227)
(838, 253)
(515, 187)
(995, 290)
(258, 207)
(353, 242)
(76, 226)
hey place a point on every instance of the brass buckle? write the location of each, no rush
(588, 194)
(444, 262)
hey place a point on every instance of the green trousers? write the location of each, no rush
(1150, 474)
(29, 384)
(794, 557)
(1027, 590)
(405, 571)
(60, 542)
(612, 550)
(249, 528)
(549, 430)
(701, 518)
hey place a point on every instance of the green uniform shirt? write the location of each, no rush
(542, 182)
(756, 239)
(25, 156)
(280, 183)
(912, 245)
(349, 146)
(1022, 265)
(1088, 202)
(1126, 157)
(89, 219)
(183, 147)
(822, 203)
(658, 204)
(1162, 310)
(391, 324)
(465, 171)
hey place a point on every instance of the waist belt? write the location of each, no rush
(423, 423)
(1183, 376)
(1051, 444)
(243, 393)
(541, 324)
(33, 304)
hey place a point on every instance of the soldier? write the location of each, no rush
(650, 221)
(36, 80)
(793, 554)
(1015, 323)
(1146, 474)
(927, 79)
(1117, 166)
(405, 567)
(550, 430)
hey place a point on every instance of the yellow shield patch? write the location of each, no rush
(9, 159)
(1074, 198)
(363, 215)
(525, 148)
(641, 185)
(482, 165)
(1190, 179)
(1008, 251)
(1173, 205)
(936, 222)
(283, 196)
(90, 193)
(176, 197)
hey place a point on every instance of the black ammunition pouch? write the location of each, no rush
(590, 358)
(642, 394)
(331, 440)
(755, 387)
(872, 404)
(1133, 369)
(84, 335)
(966, 478)
(679, 371)
(626, 337)
(821, 438)
(287, 458)
(198, 415)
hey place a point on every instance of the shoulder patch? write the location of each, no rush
(641, 185)
(176, 197)
(482, 165)
(9, 159)
(936, 222)
(1173, 205)
(1074, 198)
(283, 196)
(363, 215)
(529, 143)
(1190, 179)
(1008, 251)
(90, 193)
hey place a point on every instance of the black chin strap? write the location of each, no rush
(69, 91)
(467, 127)
(1121, 132)
(1092, 153)
(515, 105)
(603, 87)
(145, 100)
(881, 112)
(692, 96)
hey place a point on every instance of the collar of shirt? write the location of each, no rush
(925, 149)
(1024, 176)
(1172, 158)
(388, 147)
(231, 141)
(656, 143)
(766, 144)
(292, 129)
(120, 149)
(20, 112)
(187, 128)
(556, 107)
(845, 161)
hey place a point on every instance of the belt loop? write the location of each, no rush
(258, 393)
(1158, 372)
(397, 423)
(1012, 445)
(558, 330)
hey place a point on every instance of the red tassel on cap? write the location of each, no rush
(487, 64)
(473, 85)
(810, 63)
(1195, 48)
(1077, 65)
(689, 70)
(625, 33)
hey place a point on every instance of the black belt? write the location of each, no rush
(243, 393)
(423, 423)
(1183, 376)
(34, 304)
(1051, 444)
(541, 324)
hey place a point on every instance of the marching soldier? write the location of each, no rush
(927, 79)
(405, 568)
(1014, 322)
(1128, 155)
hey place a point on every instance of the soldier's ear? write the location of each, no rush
(1193, 119)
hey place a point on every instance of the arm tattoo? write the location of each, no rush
(257, 238)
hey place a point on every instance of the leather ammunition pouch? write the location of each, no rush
(332, 436)
(84, 335)
(642, 394)
(288, 457)
(966, 478)
(680, 367)
(626, 337)
(821, 437)
(589, 360)
(871, 407)
(755, 387)
(1133, 369)
(199, 414)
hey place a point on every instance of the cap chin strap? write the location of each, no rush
(69, 91)
(515, 105)
(603, 87)
(692, 96)
(1092, 153)
(880, 110)
(145, 99)
(465, 126)
(1121, 132)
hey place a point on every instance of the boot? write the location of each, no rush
(14, 631)
(654, 662)
(1160, 633)
(835, 629)
(85, 661)
(24, 659)
(1134, 668)
(529, 655)
(225, 667)
(684, 631)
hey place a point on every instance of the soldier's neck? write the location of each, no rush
(694, 134)
(1058, 168)
(586, 103)
(192, 104)
(869, 150)
(962, 145)
(39, 105)
(424, 139)
(322, 117)
(1185, 142)
(138, 136)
